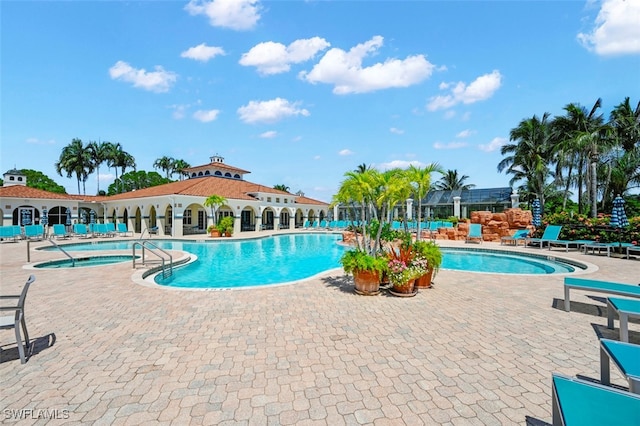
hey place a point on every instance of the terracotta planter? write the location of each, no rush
(215, 233)
(425, 280)
(367, 282)
(404, 288)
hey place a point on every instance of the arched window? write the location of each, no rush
(199, 173)
(207, 173)
(227, 174)
(218, 173)
(237, 176)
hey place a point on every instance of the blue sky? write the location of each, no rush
(299, 92)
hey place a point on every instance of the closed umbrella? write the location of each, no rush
(619, 218)
(537, 213)
(92, 217)
(68, 222)
(44, 220)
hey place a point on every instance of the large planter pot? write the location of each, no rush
(424, 281)
(404, 288)
(367, 282)
(215, 233)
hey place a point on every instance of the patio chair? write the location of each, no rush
(551, 233)
(34, 232)
(626, 357)
(8, 233)
(17, 320)
(619, 289)
(579, 402)
(122, 230)
(475, 232)
(111, 229)
(569, 243)
(625, 308)
(60, 232)
(519, 235)
(80, 230)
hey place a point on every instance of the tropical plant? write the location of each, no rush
(213, 202)
(118, 158)
(136, 180)
(281, 187)
(226, 225)
(451, 181)
(360, 260)
(98, 152)
(420, 178)
(166, 164)
(39, 180)
(431, 252)
(179, 167)
(75, 159)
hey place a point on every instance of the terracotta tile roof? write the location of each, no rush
(202, 187)
(221, 166)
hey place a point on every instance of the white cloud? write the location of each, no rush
(233, 14)
(450, 145)
(398, 164)
(179, 111)
(155, 81)
(345, 152)
(345, 70)
(396, 131)
(206, 116)
(480, 89)
(269, 134)
(448, 115)
(465, 133)
(36, 141)
(494, 145)
(270, 111)
(273, 58)
(202, 52)
(316, 157)
(616, 29)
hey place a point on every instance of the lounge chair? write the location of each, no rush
(625, 308)
(8, 233)
(34, 232)
(619, 289)
(625, 356)
(579, 402)
(17, 320)
(60, 232)
(475, 232)
(568, 243)
(122, 230)
(519, 235)
(111, 229)
(80, 230)
(551, 233)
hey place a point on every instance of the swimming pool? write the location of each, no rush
(292, 257)
(83, 262)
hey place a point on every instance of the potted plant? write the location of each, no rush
(213, 231)
(432, 255)
(225, 226)
(404, 267)
(214, 202)
(366, 270)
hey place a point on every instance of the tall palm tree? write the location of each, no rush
(214, 201)
(529, 157)
(451, 181)
(179, 166)
(626, 124)
(98, 152)
(118, 158)
(579, 137)
(165, 163)
(75, 159)
(420, 178)
(358, 187)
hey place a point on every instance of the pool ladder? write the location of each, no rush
(167, 270)
(73, 260)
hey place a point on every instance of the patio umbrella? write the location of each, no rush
(44, 220)
(84, 216)
(92, 217)
(537, 213)
(619, 217)
(68, 222)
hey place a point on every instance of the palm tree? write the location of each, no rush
(117, 157)
(626, 124)
(358, 187)
(75, 159)
(214, 201)
(281, 187)
(179, 166)
(529, 157)
(452, 182)
(165, 163)
(362, 168)
(98, 152)
(420, 178)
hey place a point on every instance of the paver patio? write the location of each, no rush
(475, 349)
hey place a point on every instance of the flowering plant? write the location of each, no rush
(400, 273)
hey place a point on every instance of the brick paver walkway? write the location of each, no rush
(476, 349)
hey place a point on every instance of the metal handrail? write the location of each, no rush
(144, 246)
(73, 260)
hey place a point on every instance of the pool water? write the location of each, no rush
(291, 257)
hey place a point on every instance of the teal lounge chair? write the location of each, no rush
(9, 233)
(619, 289)
(80, 230)
(475, 232)
(569, 243)
(60, 232)
(625, 356)
(519, 235)
(625, 308)
(34, 232)
(551, 233)
(122, 230)
(583, 403)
